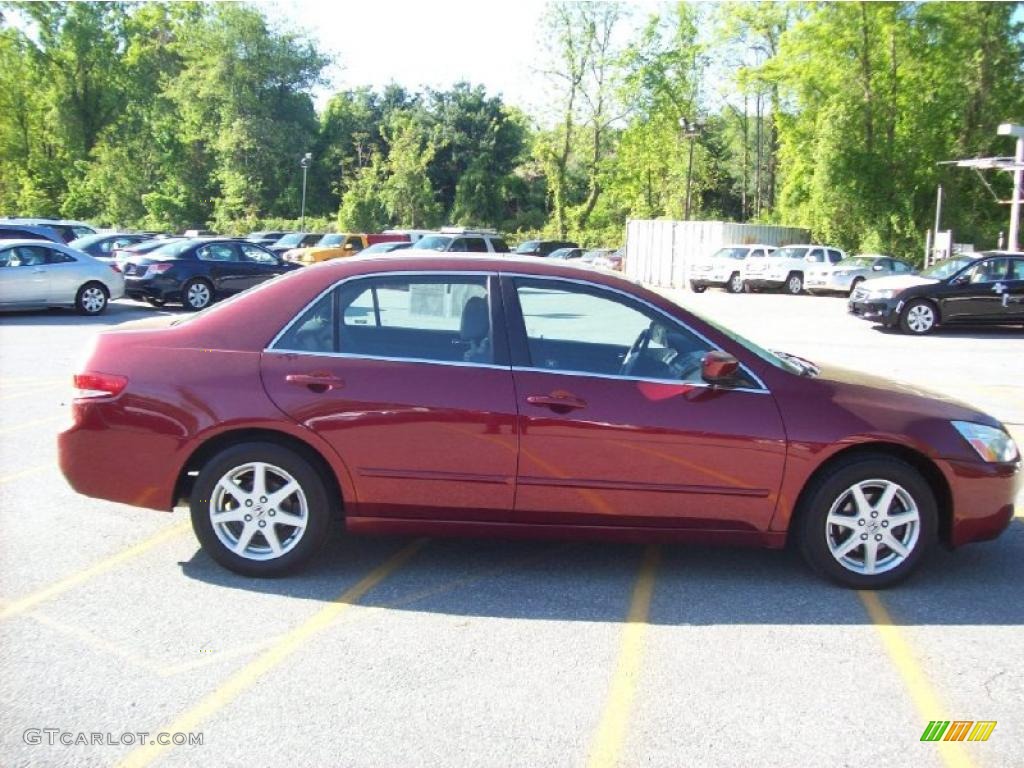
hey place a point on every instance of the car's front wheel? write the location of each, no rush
(794, 284)
(260, 509)
(919, 317)
(867, 522)
(91, 299)
(735, 284)
(196, 295)
(698, 288)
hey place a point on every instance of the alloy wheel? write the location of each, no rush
(920, 318)
(735, 283)
(93, 299)
(198, 295)
(795, 284)
(259, 511)
(872, 527)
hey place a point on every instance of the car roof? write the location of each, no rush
(28, 241)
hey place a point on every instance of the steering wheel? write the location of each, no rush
(635, 352)
(689, 364)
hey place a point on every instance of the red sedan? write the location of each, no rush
(472, 396)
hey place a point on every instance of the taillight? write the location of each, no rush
(99, 384)
(156, 269)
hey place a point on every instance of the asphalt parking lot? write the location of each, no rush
(401, 652)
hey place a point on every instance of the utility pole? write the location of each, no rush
(304, 162)
(1017, 131)
(690, 131)
(938, 210)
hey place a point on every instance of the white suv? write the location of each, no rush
(460, 240)
(787, 267)
(724, 268)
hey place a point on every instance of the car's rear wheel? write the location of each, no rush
(196, 295)
(794, 284)
(697, 288)
(91, 299)
(260, 509)
(867, 522)
(919, 317)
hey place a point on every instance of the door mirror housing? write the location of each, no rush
(719, 367)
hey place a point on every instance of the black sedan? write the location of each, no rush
(987, 289)
(198, 271)
(103, 246)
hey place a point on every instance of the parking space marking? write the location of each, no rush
(32, 423)
(289, 643)
(611, 732)
(24, 473)
(925, 700)
(30, 601)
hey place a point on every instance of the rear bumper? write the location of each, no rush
(983, 498)
(160, 288)
(763, 282)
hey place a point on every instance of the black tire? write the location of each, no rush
(698, 288)
(914, 318)
(155, 302)
(794, 285)
(92, 299)
(196, 294)
(320, 510)
(735, 283)
(854, 284)
(813, 531)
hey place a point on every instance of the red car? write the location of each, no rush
(467, 396)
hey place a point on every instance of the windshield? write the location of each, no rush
(433, 243)
(257, 235)
(789, 253)
(293, 239)
(730, 253)
(333, 239)
(856, 261)
(945, 268)
(173, 249)
(529, 246)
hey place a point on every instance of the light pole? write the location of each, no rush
(1017, 132)
(690, 131)
(304, 162)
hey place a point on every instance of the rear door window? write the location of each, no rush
(216, 252)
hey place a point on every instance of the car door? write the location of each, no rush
(976, 293)
(617, 427)
(65, 275)
(24, 276)
(263, 263)
(407, 377)
(1013, 296)
(225, 267)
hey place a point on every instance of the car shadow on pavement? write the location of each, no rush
(581, 581)
(962, 331)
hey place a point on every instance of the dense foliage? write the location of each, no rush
(831, 116)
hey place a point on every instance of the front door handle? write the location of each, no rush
(317, 382)
(560, 402)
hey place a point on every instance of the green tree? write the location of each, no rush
(407, 192)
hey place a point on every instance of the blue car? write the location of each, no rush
(103, 246)
(198, 271)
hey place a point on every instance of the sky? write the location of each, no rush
(496, 43)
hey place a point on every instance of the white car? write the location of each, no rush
(724, 268)
(34, 273)
(845, 276)
(788, 267)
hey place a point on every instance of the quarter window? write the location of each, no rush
(575, 328)
(257, 255)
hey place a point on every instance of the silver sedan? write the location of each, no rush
(34, 273)
(845, 276)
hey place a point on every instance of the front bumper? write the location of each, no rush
(763, 281)
(884, 311)
(983, 497)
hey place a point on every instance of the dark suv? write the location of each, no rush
(542, 247)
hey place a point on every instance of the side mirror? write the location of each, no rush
(719, 367)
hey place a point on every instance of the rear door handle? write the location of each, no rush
(317, 382)
(557, 401)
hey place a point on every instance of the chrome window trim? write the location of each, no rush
(616, 377)
(648, 304)
(270, 348)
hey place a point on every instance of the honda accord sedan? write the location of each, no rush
(432, 395)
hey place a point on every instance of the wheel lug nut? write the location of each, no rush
(273, 512)
(263, 524)
(874, 514)
(860, 522)
(885, 523)
(263, 499)
(878, 537)
(248, 518)
(864, 536)
(248, 502)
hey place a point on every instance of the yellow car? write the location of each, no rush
(337, 245)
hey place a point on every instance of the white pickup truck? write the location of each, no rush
(787, 267)
(724, 268)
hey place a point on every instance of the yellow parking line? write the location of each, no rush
(611, 733)
(290, 642)
(921, 693)
(33, 423)
(24, 473)
(23, 604)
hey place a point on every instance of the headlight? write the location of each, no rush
(882, 293)
(992, 444)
